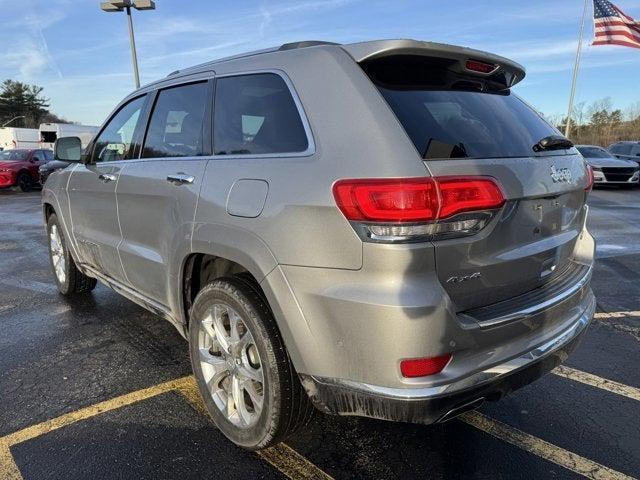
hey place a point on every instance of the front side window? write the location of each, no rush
(175, 128)
(114, 143)
(256, 114)
(635, 151)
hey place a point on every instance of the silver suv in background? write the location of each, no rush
(380, 229)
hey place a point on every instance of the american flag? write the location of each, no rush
(613, 26)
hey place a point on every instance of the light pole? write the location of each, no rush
(127, 5)
(14, 118)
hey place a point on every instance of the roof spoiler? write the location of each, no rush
(470, 62)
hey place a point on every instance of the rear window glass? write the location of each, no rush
(48, 137)
(447, 115)
(256, 114)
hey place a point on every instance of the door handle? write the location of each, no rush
(107, 177)
(180, 178)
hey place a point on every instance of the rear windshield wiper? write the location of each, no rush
(552, 142)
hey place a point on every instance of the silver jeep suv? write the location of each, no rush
(379, 229)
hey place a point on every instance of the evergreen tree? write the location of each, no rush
(17, 98)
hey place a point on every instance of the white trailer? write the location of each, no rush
(49, 132)
(11, 137)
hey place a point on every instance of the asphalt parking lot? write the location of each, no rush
(100, 388)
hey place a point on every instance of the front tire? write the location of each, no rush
(241, 366)
(25, 182)
(69, 280)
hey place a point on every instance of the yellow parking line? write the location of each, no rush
(598, 382)
(91, 411)
(8, 468)
(292, 464)
(541, 448)
(609, 315)
(282, 456)
(295, 466)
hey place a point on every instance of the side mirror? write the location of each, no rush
(68, 149)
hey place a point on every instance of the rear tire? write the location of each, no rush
(25, 182)
(266, 403)
(69, 280)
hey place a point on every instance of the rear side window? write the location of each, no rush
(449, 116)
(256, 114)
(175, 128)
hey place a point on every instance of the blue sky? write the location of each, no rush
(81, 57)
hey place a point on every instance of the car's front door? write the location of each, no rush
(92, 187)
(157, 193)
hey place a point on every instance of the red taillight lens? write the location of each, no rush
(415, 200)
(481, 67)
(589, 186)
(422, 367)
(468, 194)
(388, 200)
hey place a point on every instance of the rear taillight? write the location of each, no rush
(422, 367)
(388, 200)
(468, 195)
(415, 208)
(589, 186)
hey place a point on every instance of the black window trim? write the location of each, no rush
(311, 146)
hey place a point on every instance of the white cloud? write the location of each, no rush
(26, 50)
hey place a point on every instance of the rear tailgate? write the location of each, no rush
(531, 240)
(456, 106)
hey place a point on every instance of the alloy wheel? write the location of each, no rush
(231, 365)
(57, 254)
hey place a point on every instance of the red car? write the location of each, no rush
(20, 167)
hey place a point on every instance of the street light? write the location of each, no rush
(127, 5)
(14, 118)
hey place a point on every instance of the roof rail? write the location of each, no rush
(286, 46)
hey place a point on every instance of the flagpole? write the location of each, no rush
(576, 67)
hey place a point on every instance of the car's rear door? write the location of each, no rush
(157, 192)
(92, 187)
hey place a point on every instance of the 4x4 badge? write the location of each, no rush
(463, 278)
(560, 174)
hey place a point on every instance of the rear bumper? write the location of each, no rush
(444, 401)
